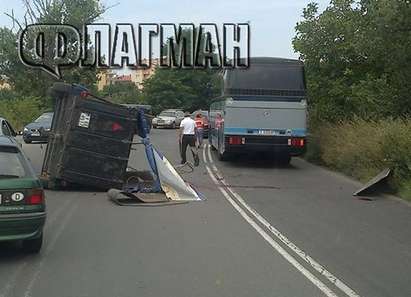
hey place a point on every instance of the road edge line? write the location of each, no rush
(303, 255)
(305, 272)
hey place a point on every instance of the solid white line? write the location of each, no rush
(303, 255)
(320, 285)
(48, 250)
(11, 283)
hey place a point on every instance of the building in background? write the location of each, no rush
(104, 78)
(136, 75)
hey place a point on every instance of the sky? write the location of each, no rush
(272, 22)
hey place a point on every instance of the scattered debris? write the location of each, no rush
(377, 184)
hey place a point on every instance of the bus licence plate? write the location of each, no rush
(267, 132)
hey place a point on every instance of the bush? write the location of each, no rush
(20, 112)
(362, 149)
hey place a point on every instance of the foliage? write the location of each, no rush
(180, 88)
(362, 149)
(20, 111)
(121, 92)
(356, 54)
(34, 82)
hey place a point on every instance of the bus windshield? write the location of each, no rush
(261, 76)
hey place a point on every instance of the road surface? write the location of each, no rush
(262, 231)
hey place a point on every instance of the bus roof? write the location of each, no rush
(274, 60)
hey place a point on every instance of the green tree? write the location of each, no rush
(188, 89)
(356, 54)
(36, 82)
(122, 92)
(181, 88)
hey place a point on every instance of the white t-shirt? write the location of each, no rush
(188, 125)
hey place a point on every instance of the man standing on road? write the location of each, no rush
(187, 137)
(200, 128)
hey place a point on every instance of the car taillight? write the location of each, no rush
(235, 140)
(298, 142)
(84, 94)
(36, 197)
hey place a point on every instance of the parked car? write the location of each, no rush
(22, 203)
(204, 118)
(38, 130)
(170, 118)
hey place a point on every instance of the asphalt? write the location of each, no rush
(94, 248)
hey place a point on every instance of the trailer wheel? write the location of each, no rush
(53, 184)
(59, 89)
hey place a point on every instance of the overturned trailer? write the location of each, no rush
(90, 143)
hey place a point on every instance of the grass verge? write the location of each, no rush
(362, 149)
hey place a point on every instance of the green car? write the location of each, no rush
(22, 203)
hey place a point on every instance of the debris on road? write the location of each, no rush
(123, 198)
(90, 143)
(374, 185)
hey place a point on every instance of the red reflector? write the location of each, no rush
(299, 142)
(116, 127)
(234, 140)
(37, 197)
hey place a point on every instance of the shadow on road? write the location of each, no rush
(256, 160)
(10, 252)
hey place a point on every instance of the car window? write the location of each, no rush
(5, 129)
(45, 117)
(168, 114)
(12, 131)
(180, 114)
(12, 164)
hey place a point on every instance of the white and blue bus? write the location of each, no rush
(262, 109)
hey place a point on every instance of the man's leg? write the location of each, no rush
(200, 137)
(184, 143)
(194, 150)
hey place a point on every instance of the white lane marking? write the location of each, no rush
(11, 283)
(48, 250)
(303, 255)
(320, 285)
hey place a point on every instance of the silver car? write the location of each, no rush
(170, 118)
